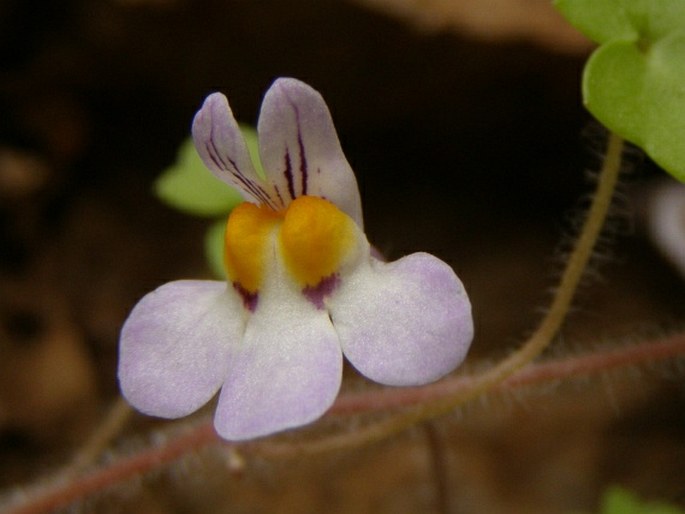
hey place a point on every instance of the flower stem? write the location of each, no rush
(62, 490)
(595, 362)
(439, 462)
(65, 490)
(561, 303)
(115, 420)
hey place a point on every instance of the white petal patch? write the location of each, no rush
(403, 323)
(300, 151)
(176, 345)
(288, 370)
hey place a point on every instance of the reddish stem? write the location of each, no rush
(61, 494)
(604, 360)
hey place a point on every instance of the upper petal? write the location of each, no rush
(300, 151)
(403, 323)
(175, 346)
(221, 145)
(287, 372)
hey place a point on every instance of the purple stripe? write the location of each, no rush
(215, 155)
(303, 158)
(243, 182)
(289, 175)
(278, 193)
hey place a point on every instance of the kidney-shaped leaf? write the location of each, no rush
(634, 83)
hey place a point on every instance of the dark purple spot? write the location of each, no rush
(250, 300)
(316, 294)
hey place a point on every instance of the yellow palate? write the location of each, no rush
(246, 243)
(314, 238)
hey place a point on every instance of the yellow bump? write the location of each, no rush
(247, 242)
(315, 237)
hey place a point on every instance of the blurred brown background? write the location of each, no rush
(463, 122)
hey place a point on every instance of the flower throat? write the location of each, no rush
(311, 236)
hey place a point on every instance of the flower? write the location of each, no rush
(666, 221)
(304, 288)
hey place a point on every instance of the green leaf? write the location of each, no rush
(214, 248)
(190, 187)
(600, 20)
(634, 83)
(621, 501)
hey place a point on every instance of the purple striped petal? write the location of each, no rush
(300, 151)
(288, 370)
(404, 323)
(176, 344)
(221, 145)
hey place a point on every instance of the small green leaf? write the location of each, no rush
(621, 501)
(190, 187)
(634, 83)
(600, 20)
(214, 248)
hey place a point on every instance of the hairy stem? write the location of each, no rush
(64, 490)
(564, 368)
(438, 458)
(115, 420)
(573, 272)
(61, 491)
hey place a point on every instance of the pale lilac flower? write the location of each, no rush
(303, 288)
(666, 221)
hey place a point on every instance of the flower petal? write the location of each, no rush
(403, 323)
(175, 346)
(667, 221)
(221, 145)
(287, 373)
(300, 150)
